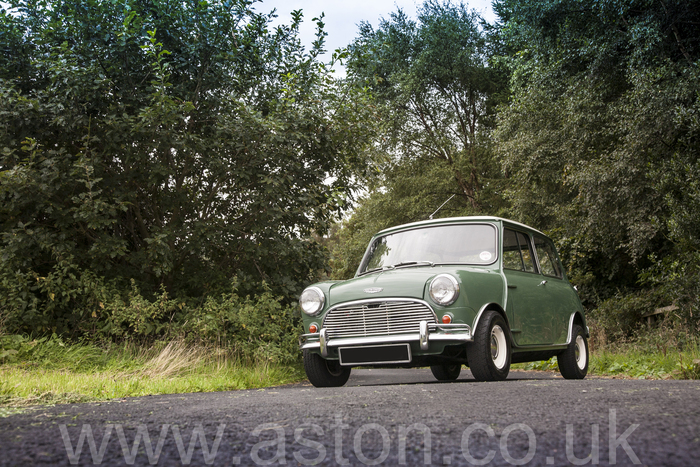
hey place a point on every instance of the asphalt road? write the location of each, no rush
(381, 417)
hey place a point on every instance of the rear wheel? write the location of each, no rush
(489, 354)
(573, 362)
(446, 372)
(324, 373)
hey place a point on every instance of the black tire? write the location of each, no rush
(447, 371)
(489, 355)
(324, 373)
(573, 362)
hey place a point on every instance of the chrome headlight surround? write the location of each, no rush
(312, 300)
(444, 289)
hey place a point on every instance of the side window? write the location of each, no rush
(549, 264)
(517, 252)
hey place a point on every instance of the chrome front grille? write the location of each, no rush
(377, 318)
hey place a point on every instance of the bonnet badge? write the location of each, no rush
(373, 290)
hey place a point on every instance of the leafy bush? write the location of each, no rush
(677, 279)
(618, 317)
(61, 301)
(258, 328)
(261, 327)
(138, 316)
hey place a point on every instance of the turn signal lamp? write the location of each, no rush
(313, 329)
(446, 319)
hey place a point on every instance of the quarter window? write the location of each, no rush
(549, 263)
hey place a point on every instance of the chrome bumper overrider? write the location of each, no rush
(428, 332)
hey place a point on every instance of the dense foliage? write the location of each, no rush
(173, 144)
(601, 139)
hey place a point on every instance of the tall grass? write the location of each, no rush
(664, 350)
(52, 371)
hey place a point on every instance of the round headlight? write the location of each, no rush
(311, 301)
(444, 289)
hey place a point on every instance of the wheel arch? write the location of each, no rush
(498, 309)
(576, 318)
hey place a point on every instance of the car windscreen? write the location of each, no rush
(444, 244)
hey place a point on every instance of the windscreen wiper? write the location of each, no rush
(409, 263)
(397, 265)
(370, 271)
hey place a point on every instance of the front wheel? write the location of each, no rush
(489, 354)
(324, 373)
(446, 372)
(573, 362)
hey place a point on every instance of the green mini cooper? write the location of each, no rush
(478, 291)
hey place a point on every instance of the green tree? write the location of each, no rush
(437, 90)
(178, 144)
(436, 93)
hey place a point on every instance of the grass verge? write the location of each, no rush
(658, 353)
(633, 363)
(52, 372)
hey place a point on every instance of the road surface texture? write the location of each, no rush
(381, 417)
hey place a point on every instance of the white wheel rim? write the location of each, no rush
(499, 352)
(581, 356)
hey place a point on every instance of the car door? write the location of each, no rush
(531, 312)
(559, 290)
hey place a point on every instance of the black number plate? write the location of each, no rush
(375, 354)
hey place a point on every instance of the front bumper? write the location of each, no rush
(429, 332)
